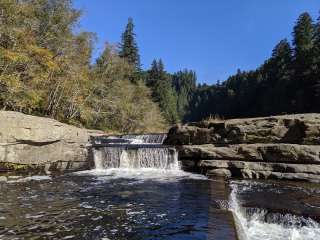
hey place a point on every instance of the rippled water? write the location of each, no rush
(276, 210)
(118, 204)
(109, 204)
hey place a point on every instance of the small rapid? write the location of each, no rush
(255, 223)
(134, 152)
(135, 158)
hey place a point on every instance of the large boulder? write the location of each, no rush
(294, 129)
(42, 144)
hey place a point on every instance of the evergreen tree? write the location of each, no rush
(316, 66)
(184, 83)
(128, 47)
(303, 35)
(116, 103)
(45, 70)
(162, 91)
(153, 74)
(279, 92)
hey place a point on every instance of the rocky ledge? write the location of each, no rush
(277, 147)
(29, 143)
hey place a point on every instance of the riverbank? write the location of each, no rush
(278, 147)
(31, 144)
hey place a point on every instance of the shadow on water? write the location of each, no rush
(115, 204)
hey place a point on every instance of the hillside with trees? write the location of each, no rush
(288, 82)
(46, 70)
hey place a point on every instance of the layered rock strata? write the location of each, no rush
(279, 147)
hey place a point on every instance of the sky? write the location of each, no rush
(212, 37)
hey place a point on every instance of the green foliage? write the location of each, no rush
(118, 105)
(162, 91)
(184, 83)
(45, 70)
(316, 64)
(288, 82)
(128, 47)
(303, 57)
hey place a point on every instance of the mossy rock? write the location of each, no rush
(20, 168)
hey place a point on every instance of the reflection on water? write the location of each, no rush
(110, 204)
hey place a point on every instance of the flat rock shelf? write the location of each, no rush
(278, 147)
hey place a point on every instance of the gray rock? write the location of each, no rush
(225, 173)
(29, 142)
(280, 147)
(294, 129)
(3, 179)
(252, 174)
(248, 173)
(279, 153)
(261, 166)
(188, 163)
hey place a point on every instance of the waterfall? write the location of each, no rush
(131, 139)
(146, 138)
(256, 224)
(134, 152)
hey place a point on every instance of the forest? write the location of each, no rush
(288, 82)
(46, 70)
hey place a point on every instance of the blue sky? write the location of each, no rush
(212, 37)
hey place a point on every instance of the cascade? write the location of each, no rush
(253, 224)
(134, 152)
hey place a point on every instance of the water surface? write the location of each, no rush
(109, 204)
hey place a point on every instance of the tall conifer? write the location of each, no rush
(303, 35)
(129, 47)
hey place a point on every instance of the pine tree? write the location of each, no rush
(128, 47)
(184, 83)
(303, 35)
(279, 89)
(162, 91)
(153, 74)
(116, 103)
(316, 66)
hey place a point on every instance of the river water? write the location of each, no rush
(110, 204)
(137, 191)
(155, 204)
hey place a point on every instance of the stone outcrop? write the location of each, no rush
(285, 153)
(279, 147)
(295, 129)
(29, 143)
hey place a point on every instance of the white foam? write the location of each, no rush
(254, 228)
(31, 178)
(140, 174)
